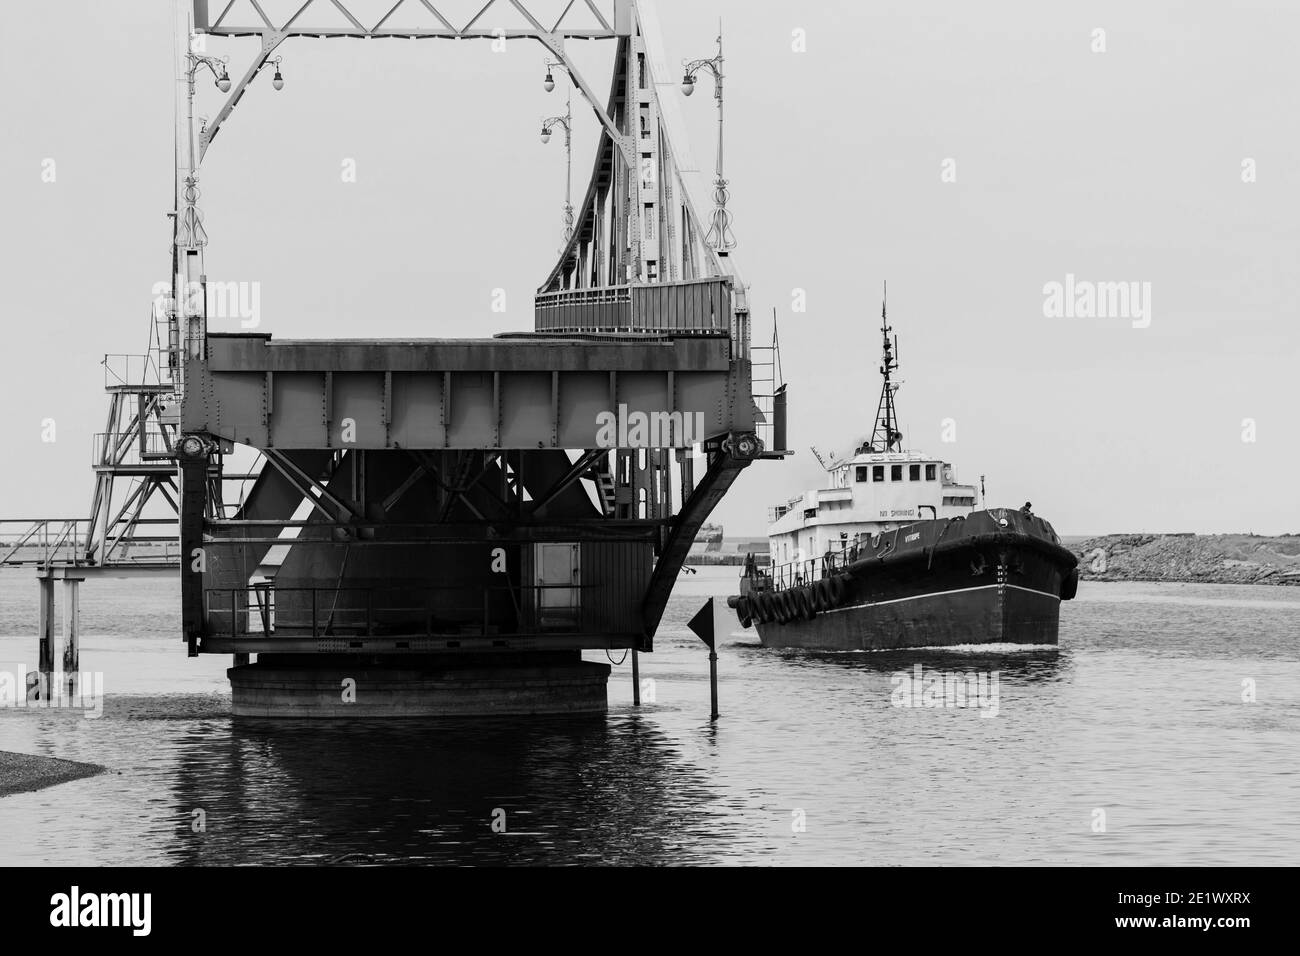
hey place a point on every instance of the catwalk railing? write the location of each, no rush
(262, 610)
(41, 542)
(700, 306)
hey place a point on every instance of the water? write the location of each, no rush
(1139, 714)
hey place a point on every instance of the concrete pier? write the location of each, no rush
(58, 657)
(353, 686)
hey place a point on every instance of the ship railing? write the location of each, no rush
(261, 609)
(795, 574)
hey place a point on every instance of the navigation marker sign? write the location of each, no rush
(702, 624)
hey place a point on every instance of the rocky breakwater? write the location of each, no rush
(1203, 559)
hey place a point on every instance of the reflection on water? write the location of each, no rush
(1138, 712)
(1027, 665)
(428, 792)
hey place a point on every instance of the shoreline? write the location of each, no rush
(23, 773)
(1190, 558)
(1185, 558)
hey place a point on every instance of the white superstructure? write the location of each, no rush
(867, 494)
(880, 488)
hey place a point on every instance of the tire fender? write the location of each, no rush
(1070, 585)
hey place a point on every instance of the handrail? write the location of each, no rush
(796, 573)
(43, 541)
(260, 600)
(689, 306)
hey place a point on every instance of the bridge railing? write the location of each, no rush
(260, 610)
(28, 542)
(133, 372)
(695, 306)
(123, 449)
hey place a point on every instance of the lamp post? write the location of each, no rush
(190, 221)
(719, 235)
(548, 83)
(189, 236)
(567, 122)
(186, 318)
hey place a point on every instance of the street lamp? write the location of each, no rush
(548, 83)
(567, 122)
(719, 235)
(277, 81)
(217, 67)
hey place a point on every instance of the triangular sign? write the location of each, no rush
(702, 623)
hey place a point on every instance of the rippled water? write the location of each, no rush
(1139, 714)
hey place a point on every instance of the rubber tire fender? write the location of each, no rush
(821, 600)
(807, 605)
(1070, 585)
(835, 587)
(773, 600)
(786, 604)
(743, 612)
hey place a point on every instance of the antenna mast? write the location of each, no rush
(886, 436)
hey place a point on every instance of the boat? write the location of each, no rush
(895, 553)
(708, 539)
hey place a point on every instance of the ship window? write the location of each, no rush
(895, 472)
(861, 473)
(878, 473)
(929, 472)
(913, 472)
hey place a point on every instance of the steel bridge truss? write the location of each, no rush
(539, 490)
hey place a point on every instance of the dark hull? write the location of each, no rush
(976, 581)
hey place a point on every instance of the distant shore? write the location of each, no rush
(1187, 558)
(20, 773)
(1190, 558)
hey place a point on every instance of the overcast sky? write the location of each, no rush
(1117, 166)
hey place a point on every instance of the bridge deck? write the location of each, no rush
(507, 392)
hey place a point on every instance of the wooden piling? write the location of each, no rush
(45, 635)
(70, 655)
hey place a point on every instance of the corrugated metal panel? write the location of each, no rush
(615, 576)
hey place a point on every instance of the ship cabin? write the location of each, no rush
(867, 494)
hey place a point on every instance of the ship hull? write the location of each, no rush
(995, 578)
(990, 614)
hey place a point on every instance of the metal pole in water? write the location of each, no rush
(703, 624)
(636, 680)
(713, 682)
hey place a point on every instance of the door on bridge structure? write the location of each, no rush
(558, 579)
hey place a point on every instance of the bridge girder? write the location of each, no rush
(404, 478)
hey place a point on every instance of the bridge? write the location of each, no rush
(444, 525)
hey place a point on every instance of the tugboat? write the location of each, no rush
(893, 553)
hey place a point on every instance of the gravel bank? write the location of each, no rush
(22, 772)
(1203, 559)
